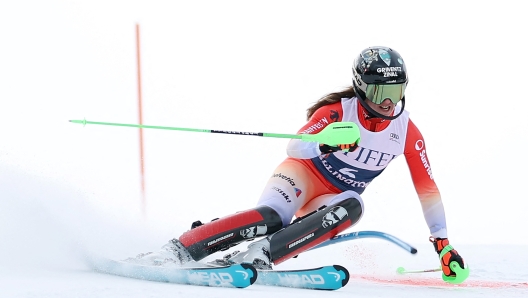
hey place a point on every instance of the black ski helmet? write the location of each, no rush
(380, 73)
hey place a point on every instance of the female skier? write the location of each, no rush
(320, 185)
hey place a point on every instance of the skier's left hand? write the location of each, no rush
(448, 255)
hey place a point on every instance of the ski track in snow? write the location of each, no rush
(46, 228)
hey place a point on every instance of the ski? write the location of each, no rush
(368, 234)
(237, 275)
(322, 278)
(243, 275)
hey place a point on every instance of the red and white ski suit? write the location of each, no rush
(308, 179)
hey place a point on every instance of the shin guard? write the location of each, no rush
(228, 231)
(314, 229)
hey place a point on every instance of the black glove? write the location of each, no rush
(325, 149)
(448, 255)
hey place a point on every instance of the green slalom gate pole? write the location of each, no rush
(334, 134)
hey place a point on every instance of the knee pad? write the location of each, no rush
(228, 231)
(314, 229)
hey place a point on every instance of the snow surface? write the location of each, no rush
(46, 228)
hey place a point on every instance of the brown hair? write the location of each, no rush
(330, 99)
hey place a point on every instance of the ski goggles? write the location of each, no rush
(378, 93)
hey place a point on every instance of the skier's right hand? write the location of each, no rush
(325, 149)
(448, 256)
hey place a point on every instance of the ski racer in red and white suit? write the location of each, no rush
(313, 179)
(319, 186)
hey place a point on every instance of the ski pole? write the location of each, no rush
(334, 134)
(402, 270)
